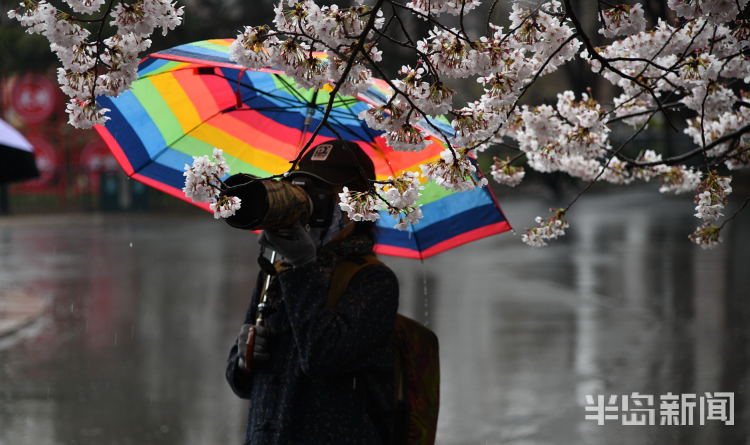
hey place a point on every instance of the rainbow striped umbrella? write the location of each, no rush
(192, 98)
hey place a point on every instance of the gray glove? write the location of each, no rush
(293, 243)
(260, 350)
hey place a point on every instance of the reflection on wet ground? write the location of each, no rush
(143, 311)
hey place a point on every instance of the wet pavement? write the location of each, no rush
(141, 312)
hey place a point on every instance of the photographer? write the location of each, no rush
(321, 374)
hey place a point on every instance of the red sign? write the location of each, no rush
(96, 157)
(46, 161)
(33, 98)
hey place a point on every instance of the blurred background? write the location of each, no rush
(118, 303)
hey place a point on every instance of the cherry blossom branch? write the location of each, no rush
(396, 91)
(736, 212)
(99, 43)
(358, 47)
(488, 33)
(604, 167)
(605, 62)
(677, 159)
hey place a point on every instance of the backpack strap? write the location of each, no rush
(385, 422)
(345, 271)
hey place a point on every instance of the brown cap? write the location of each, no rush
(333, 162)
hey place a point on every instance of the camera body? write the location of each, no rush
(322, 200)
(268, 204)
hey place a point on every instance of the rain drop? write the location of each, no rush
(131, 244)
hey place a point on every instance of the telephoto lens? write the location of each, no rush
(266, 204)
(269, 204)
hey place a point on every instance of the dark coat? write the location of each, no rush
(311, 390)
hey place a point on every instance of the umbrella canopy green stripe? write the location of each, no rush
(166, 67)
(157, 108)
(207, 44)
(432, 192)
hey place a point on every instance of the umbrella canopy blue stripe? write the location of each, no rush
(150, 65)
(124, 133)
(142, 123)
(197, 52)
(164, 174)
(448, 206)
(429, 236)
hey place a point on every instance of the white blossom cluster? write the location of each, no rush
(398, 196)
(568, 137)
(90, 69)
(717, 11)
(691, 61)
(706, 236)
(360, 206)
(506, 174)
(679, 179)
(504, 64)
(401, 195)
(436, 7)
(736, 155)
(455, 173)
(203, 184)
(712, 196)
(633, 111)
(309, 27)
(549, 228)
(622, 20)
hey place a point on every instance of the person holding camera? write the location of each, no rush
(320, 373)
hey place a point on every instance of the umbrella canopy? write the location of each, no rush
(192, 98)
(16, 155)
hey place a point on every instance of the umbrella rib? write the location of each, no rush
(267, 94)
(291, 89)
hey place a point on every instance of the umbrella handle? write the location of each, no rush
(250, 345)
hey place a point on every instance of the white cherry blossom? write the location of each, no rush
(706, 236)
(622, 20)
(451, 173)
(549, 228)
(203, 184)
(712, 196)
(506, 174)
(360, 206)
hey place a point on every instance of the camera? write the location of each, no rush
(269, 204)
